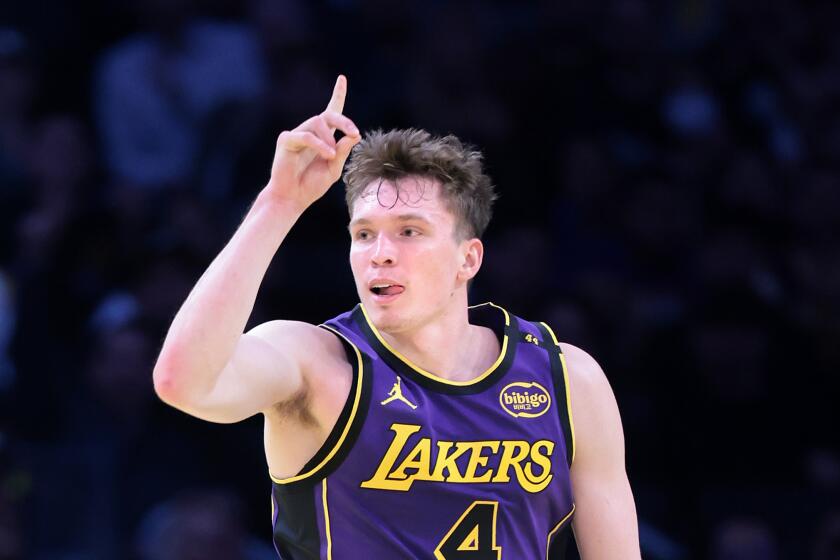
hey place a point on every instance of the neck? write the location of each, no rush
(447, 345)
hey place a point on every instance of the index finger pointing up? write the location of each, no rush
(339, 93)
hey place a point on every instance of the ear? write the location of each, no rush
(472, 255)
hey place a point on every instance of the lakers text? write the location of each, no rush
(529, 462)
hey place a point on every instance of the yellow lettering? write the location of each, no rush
(477, 459)
(380, 478)
(518, 455)
(447, 462)
(420, 458)
(531, 482)
(512, 453)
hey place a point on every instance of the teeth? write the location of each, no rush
(379, 286)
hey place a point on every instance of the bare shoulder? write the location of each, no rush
(586, 378)
(318, 357)
(599, 438)
(307, 342)
(326, 373)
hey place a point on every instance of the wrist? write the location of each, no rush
(270, 199)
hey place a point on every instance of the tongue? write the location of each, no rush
(392, 290)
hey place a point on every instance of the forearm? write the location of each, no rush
(207, 328)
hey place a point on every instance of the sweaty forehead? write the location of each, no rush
(415, 194)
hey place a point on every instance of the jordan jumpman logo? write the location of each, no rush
(396, 394)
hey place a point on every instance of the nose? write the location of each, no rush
(384, 252)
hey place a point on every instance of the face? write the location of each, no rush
(409, 265)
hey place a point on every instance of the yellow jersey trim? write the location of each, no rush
(432, 376)
(568, 389)
(557, 528)
(327, 520)
(356, 399)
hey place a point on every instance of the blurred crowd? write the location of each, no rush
(669, 175)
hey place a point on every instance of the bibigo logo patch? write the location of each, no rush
(526, 400)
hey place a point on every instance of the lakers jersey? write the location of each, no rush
(421, 467)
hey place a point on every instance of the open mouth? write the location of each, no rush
(387, 289)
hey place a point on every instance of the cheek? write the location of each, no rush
(356, 262)
(439, 264)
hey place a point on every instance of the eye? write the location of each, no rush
(410, 232)
(362, 235)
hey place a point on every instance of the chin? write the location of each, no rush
(386, 318)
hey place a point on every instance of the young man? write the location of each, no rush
(413, 426)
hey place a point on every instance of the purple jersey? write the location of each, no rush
(421, 467)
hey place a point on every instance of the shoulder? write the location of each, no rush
(586, 378)
(313, 348)
(320, 357)
(596, 418)
(297, 335)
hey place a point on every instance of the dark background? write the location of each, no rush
(670, 202)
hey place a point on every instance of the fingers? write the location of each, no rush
(342, 151)
(339, 121)
(336, 103)
(318, 132)
(324, 126)
(319, 126)
(297, 140)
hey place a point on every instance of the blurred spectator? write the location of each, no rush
(158, 92)
(744, 539)
(198, 525)
(60, 164)
(164, 285)
(18, 85)
(61, 170)
(112, 430)
(117, 375)
(451, 63)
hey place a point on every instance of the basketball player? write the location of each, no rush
(412, 426)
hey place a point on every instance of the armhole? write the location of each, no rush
(349, 423)
(560, 377)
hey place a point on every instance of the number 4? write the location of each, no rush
(473, 536)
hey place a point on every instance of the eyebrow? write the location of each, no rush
(400, 218)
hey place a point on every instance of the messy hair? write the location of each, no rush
(396, 154)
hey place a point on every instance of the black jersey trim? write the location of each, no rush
(349, 423)
(562, 396)
(295, 522)
(488, 314)
(556, 543)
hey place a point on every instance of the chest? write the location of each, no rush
(506, 435)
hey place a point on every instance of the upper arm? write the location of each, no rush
(269, 366)
(605, 523)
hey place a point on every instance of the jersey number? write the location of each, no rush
(473, 537)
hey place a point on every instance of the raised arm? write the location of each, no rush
(207, 367)
(605, 523)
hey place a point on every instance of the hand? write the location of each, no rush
(308, 160)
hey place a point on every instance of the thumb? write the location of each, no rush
(342, 152)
